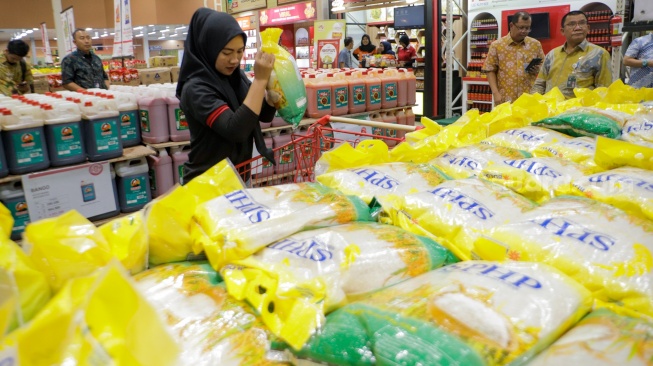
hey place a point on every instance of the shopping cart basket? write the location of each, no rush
(296, 159)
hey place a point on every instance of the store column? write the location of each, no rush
(58, 25)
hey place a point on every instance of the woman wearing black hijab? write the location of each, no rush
(385, 48)
(222, 107)
(366, 48)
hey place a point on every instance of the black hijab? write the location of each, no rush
(370, 47)
(387, 48)
(209, 32)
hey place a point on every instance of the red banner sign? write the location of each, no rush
(244, 23)
(288, 14)
(327, 53)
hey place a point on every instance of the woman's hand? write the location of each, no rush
(263, 65)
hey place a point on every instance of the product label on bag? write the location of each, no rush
(135, 190)
(20, 214)
(128, 125)
(286, 155)
(358, 93)
(28, 147)
(106, 135)
(67, 140)
(375, 94)
(341, 97)
(152, 174)
(180, 118)
(323, 99)
(180, 171)
(145, 120)
(391, 92)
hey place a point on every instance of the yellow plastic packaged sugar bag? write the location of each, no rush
(458, 211)
(8, 301)
(639, 129)
(379, 181)
(169, 217)
(238, 224)
(538, 179)
(630, 189)
(469, 313)
(99, 319)
(612, 154)
(6, 221)
(345, 156)
(604, 248)
(128, 241)
(586, 121)
(350, 261)
(65, 247)
(468, 161)
(602, 338)
(30, 286)
(579, 150)
(285, 86)
(210, 327)
(526, 138)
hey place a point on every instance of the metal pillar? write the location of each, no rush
(450, 56)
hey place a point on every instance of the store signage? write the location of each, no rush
(508, 4)
(68, 20)
(86, 188)
(46, 42)
(288, 14)
(156, 48)
(245, 23)
(281, 2)
(237, 6)
(327, 53)
(123, 39)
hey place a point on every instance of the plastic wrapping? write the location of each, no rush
(587, 121)
(6, 221)
(338, 264)
(211, 327)
(99, 319)
(285, 85)
(630, 189)
(379, 181)
(538, 179)
(469, 313)
(65, 247)
(602, 338)
(639, 129)
(236, 225)
(128, 241)
(457, 211)
(526, 138)
(607, 250)
(29, 286)
(169, 217)
(464, 162)
(612, 154)
(579, 150)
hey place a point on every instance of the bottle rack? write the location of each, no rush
(247, 63)
(484, 30)
(598, 17)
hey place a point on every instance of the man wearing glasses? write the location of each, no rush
(508, 60)
(575, 64)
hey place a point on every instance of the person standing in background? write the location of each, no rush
(575, 64)
(639, 57)
(82, 69)
(385, 48)
(15, 74)
(345, 57)
(508, 58)
(366, 48)
(405, 52)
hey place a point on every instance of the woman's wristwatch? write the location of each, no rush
(644, 63)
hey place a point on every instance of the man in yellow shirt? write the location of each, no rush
(15, 73)
(575, 64)
(508, 58)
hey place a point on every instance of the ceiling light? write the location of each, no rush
(185, 33)
(165, 30)
(162, 37)
(88, 29)
(35, 29)
(139, 35)
(29, 31)
(95, 37)
(55, 38)
(151, 33)
(151, 25)
(182, 27)
(112, 33)
(138, 28)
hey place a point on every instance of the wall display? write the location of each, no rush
(327, 53)
(288, 14)
(237, 6)
(46, 43)
(68, 21)
(330, 29)
(376, 15)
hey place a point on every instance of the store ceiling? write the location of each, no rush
(154, 33)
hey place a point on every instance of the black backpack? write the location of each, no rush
(23, 68)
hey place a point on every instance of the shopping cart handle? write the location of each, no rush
(324, 120)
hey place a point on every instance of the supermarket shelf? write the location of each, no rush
(479, 46)
(600, 43)
(303, 122)
(420, 64)
(478, 101)
(598, 21)
(419, 77)
(466, 78)
(128, 154)
(475, 29)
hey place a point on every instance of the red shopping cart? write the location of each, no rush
(296, 159)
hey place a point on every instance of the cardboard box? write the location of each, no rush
(174, 71)
(41, 86)
(163, 61)
(157, 75)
